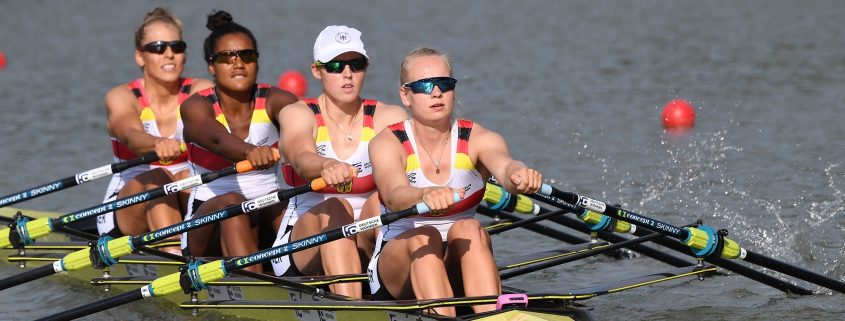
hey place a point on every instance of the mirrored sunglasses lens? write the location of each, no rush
(335, 66)
(422, 87)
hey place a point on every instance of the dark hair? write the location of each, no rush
(220, 23)
(158, 15)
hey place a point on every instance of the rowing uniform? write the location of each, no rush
(251, 184)
(463, 175)
(356, 192)
(106, 222)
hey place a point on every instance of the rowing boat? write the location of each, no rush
(304, 298)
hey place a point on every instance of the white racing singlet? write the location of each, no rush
(251, 184)
(463, 175)
(356, 192)
(122, 153)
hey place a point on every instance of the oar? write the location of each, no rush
(703, 241)
(74, 180)
(197, 275)
(602, 223)
(26, 231)
(108, 250)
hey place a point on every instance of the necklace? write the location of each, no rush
(351, 125)
(436, 162)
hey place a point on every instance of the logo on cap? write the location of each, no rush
(342, 37)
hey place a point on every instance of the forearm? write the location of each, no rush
(140, 143)
(229, 147)
(505, 179)
(402, 197)
(309, 165)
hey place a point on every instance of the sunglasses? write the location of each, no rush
(426, 85)
(159, 47)
(229, 56)
(337, 66)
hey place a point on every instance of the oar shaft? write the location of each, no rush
(43, 226)
(75, 180)
(31, 275)
(102, 305)
(198, 275)
(577, 256)
(795, 271)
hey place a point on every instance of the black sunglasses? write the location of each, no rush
(426, 85)
(337, 66)
(159, 47)
(229, 56)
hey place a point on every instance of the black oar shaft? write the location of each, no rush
(75, 180)
(31, 275)
(102, 305)
(795, 271)
(577, 256)
(724, 263)
(139, 198)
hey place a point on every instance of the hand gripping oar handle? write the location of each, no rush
(27, 231)
(78, 179)
(197, 275)
(108, 250)
(700, 240)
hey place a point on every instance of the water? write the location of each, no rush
(576, 88)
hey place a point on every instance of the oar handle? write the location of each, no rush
(245, 166)
(197, 276)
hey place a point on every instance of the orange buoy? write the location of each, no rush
(2, 60)
(678, 114)
(294, 82)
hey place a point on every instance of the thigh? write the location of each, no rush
(205, 241)
(395, 259)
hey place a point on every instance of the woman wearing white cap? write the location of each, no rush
(328, 137)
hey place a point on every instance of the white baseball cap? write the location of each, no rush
(335, 40)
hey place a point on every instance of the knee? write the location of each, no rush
(229, 199)
(425, 237)
(469, 229)
(336, 204)
(157, 176)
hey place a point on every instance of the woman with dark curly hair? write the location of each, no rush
(230, 122)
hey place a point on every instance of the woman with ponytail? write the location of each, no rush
(230, 122)
(143, 117)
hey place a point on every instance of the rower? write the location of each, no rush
(327, 137)
(446, 252)
(143, 116)
(232, 121)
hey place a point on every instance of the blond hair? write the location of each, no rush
(421, 51)
(158, 15)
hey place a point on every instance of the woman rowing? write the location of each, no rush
(328, 137)
(143, 116)
(232, 121)
(445, 253)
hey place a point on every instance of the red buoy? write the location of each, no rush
(2, 61)
(678, 114)
(294, 82)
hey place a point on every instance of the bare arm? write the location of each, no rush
(389, 161)
(123, 123)
(276, 100)
(387, 115)
(204, 130)
(492, 152)
(297, 132)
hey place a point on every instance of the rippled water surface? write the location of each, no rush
(575, 87)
